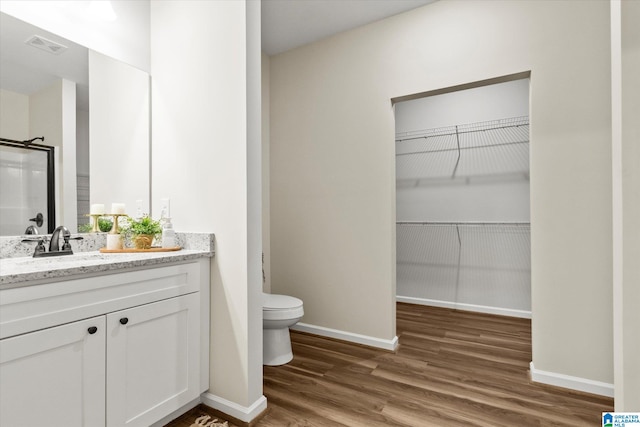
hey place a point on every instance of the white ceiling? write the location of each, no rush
(287, 24)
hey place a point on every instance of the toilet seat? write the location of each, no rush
(279, 307)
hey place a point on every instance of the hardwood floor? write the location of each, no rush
(452, 368)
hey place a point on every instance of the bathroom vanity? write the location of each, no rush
(103, 339)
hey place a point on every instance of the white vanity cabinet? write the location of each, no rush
(123, 349)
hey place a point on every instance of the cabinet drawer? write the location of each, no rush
(41, 306)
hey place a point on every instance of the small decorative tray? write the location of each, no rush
(134, 250)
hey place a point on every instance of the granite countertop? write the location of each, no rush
(18, 270)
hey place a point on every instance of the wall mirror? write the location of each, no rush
(92, 108)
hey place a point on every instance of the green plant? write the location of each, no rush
(85, 228)
(144, 225)
(105, 224)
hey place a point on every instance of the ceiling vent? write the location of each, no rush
(46, 44)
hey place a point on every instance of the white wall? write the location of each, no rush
(52, 115)
(119, 155)
(625, 67)
(82, 142)
(266, 193)
(332, 172)
(68, 213)
(82, 165)
(254, 190)
(457, 202)
(45, 119)
(491, 102)
(206, 151)
(631, 194)
(126, 38)
(14, 120)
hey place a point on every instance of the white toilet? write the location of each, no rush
(278, 313)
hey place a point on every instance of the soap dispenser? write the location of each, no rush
(168, 234)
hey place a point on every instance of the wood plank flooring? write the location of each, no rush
(452, 368)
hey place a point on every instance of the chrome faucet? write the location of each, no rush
(54, 245)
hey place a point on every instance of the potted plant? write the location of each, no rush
(142, 231)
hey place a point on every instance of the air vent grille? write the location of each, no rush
(46, 45)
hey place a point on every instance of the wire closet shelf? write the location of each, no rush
(491, 150)
(476, 264)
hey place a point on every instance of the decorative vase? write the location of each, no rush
(143, 241)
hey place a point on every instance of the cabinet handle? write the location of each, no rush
(124, 320)
(92, 330)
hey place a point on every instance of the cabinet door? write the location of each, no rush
(152, 360)
(54, 377)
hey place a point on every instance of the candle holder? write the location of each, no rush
(115, 228)
(96, 228)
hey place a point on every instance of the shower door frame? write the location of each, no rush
(51, 187)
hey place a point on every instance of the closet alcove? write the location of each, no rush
(462, 200)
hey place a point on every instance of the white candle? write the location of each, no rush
(117, 208)
(114, 241)
(97, 209)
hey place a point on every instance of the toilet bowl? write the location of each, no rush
(279, 312)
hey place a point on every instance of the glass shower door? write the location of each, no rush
(24, 190)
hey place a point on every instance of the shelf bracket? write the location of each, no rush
(455, 169)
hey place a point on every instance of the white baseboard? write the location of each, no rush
(243, 413)
(391, 344)
(568, 381)
(468, 307)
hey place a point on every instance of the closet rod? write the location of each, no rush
(463, 148)
(461, 132)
